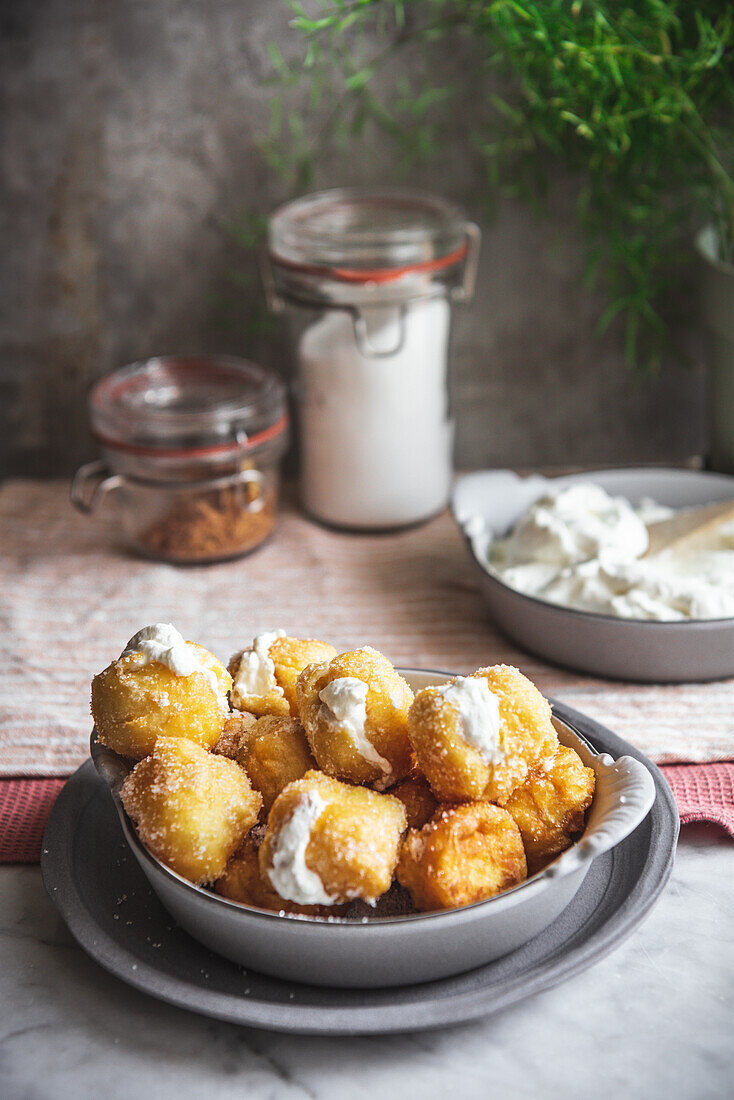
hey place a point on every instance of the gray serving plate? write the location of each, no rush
(488, 504)
(398, 950)
(102, 894)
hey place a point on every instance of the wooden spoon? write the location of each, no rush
(689, 528)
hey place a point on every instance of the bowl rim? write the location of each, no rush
(666, 626)
(574, 857)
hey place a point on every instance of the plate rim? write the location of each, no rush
(423, 1014)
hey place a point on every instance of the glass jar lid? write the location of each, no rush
(188, 407)
(360, 237)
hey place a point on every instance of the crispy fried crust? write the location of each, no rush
(550, 806)
(276, 755)
(387, 704)
(134, 704)
(238, 731)
(290, 656)
(418, 799)
(464, 854)
(191, 808)
(243, 882)
(354, 843)
(455, 769)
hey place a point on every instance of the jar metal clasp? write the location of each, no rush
(465, 291)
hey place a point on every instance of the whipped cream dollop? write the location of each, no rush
(479, 713)
(582, 548)
(161, 642)
(345, 702)
(256, 670)
(289, 874)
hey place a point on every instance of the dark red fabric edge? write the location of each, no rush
(24, 808)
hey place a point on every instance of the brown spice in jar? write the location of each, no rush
(212, 524)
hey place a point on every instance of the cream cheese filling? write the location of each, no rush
(289, 874)
(256, 671)
(479, 714)
(345, 702)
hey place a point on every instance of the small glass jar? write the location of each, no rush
(364, 279)
(191, 448)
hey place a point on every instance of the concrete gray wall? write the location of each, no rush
(129, 141)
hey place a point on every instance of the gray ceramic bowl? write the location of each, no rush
(399, 950)
(488, 504)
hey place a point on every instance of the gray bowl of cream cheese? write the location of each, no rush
(562, 570)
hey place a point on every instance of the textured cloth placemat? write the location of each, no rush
(70, 599)
(703, 792)
(24, 808)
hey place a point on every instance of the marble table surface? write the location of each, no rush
(654, 1019)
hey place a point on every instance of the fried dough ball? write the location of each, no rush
(277, 754)
(464, 854)
(238, 731)
(418, 799)
(478, 736)
(273, 750)
(243, 882)
(329, 842)
(550, 806)
(265, 674)
(138, 699)
(191, 808)
(354, 710)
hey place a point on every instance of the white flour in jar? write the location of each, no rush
(376, 438)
